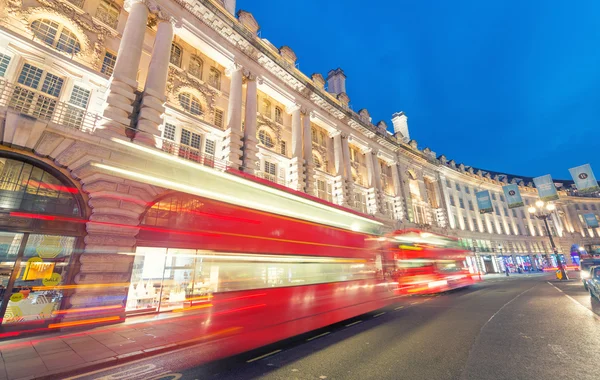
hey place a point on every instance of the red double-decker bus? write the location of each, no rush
(423, 262)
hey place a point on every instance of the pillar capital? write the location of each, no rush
(249, 75)
(293, 108)
(233, 68)
(334, 133)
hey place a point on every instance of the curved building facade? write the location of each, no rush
(107, 107)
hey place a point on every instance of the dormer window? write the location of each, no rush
(56, 35)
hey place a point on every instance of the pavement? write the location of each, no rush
(517, 327)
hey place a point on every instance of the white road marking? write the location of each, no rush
(399, 307)
(591, 313)
(377, 315)
(318, 336)
(131, 373)
(263, 356)
(353, 323)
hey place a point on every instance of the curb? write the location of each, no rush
(113, 360)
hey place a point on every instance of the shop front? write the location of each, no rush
(36, 253)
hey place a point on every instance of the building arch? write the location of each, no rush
(39, 14)
(267, 136)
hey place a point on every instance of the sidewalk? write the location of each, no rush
(50, 354)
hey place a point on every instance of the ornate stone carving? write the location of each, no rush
(178, 80)
(82, 24)
(276, 128)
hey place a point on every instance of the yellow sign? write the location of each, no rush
(54, 280)
(558, 274)
(50, 247)
(17, 297)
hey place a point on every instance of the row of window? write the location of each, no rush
(468, 190)
(195, 66)
(584, 206)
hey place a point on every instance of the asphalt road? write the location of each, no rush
(521, 327)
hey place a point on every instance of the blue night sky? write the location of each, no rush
(510, 86)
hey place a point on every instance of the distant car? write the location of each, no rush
(585, 266)
(594, 283)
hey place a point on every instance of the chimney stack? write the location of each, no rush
(400, 122)
(336, 81)
(230, 6)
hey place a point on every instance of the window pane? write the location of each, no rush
(175, 55)
(108, 64)
(30, 76)
(68, 42)
(52, 85)
(45, 30)
(4, 61)
(185, 137)
(80, 97)
(195, 68)
(169, 132)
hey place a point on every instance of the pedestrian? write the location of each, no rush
(507, 270)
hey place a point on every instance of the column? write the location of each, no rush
(297, 162)
(123, 82)
(348, 183)
(376, 182)
(309, 168)
(152, 107)
(338, 160)
(250, 141)
(233, 141)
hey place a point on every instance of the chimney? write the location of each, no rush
(336, 81)
(400, 122)
(230, 6)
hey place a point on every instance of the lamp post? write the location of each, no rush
(543, 211)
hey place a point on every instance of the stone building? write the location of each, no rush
(107, 108)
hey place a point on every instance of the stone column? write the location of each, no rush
(152, 107)
(308, 159)
(377, 181)
(123, 82)
(338, 160)
(250, 140)
(233, 141)
(349, 183)
(297, 162)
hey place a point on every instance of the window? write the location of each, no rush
(576, 206)
(270, 168)
(452, 200)
(457, 187)
(214, 78)
(266, 139)
(317, 161)
(209, 147)
(461, 202)
(4, 61)
(278, 115)
(494, 196)
(190, 139)
(475, 225)
(78, 3)
(169, 132)
(219, 118)
(584, 206)
(593, 206)
(75, 112)
(313, 135)
(323, 139)
(465, 222)
(175, 55)
(505, 211)
(519, 229)
(55, 35)
(190, 103)
(467, 190)
(266, 108)
(502, 197)
(195, 67)
(497, 210)
(37, 94)
(108, 65)
(108, 13)
(470, 205)
(324, 190)
(514, 213)
(283, 148)
(448, 184)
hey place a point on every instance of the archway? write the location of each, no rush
(41, 219)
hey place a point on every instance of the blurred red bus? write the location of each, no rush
(424, 263)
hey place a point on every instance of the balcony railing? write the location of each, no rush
(40, 105)
(193, 154)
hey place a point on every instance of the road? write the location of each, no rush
(521, 327)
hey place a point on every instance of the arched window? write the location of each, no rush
(314, 136)
(323, 139)
(278, 115)
(195, 67)
(266, 108)
(175, 55)
(214, 79)
(56, 35)
(266, 139)
(190, 103)
(317, 161)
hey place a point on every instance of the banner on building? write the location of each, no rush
(513, 196)
(484, 202)
(545, 187)
(584, 179)
(591, 220)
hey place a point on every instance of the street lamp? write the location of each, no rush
(543, 211)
